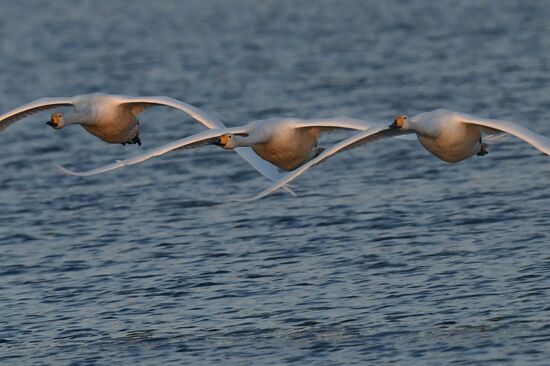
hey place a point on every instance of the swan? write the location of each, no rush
(453, 136)
(450, 136)
(113, 118)
(284, 142)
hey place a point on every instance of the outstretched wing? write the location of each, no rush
(328, 124)
(196, 140)
(138, 104)
(356, 139)
(539, 142)
(335, 123)
(36, 106)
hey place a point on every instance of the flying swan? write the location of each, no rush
(450, 136)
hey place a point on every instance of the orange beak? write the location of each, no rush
(397, 123)
(224, 139)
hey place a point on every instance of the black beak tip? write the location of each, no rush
(50, 123)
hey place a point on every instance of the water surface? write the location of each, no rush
(388, 256)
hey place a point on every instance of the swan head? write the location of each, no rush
(226, 141)
(56, 121)
(400, 121)
(230, 141)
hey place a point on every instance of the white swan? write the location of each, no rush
(285, 142)
(453, 136)
(450, 136)
(113, 118)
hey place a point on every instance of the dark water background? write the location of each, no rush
(388, 256)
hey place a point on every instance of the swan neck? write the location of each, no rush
(75, 119)
(247, 141)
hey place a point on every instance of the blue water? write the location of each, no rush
(388, 256)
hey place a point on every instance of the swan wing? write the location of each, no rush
(196, 140)
(267, 169)
(33, 107)
(348, 123)
(536, 140)
(336, 123)
(138, 104)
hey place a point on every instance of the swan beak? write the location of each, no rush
(398, 122)
(394, 125)
(221, 141)
(50, 123)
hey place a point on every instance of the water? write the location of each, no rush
(388, 256)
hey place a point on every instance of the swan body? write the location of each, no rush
(444, 135)
(282, 142)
